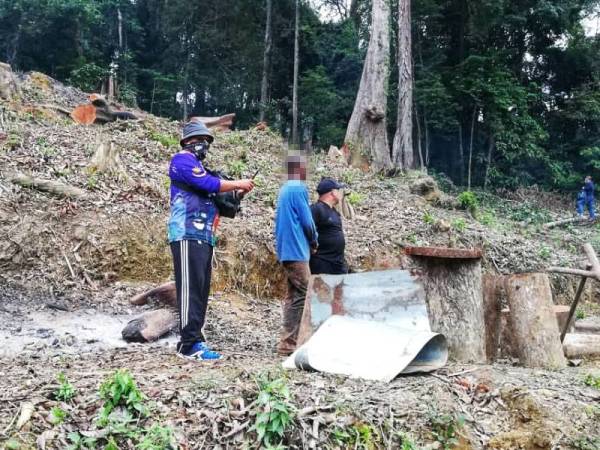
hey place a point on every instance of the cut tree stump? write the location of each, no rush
(506, 346)
(582, 345)
(493, 292)
(453, 289)
(50, 186)
(165, 293)
(150, 326)
(557, 223)
(107, 160)
(536, 336)
(8, 83)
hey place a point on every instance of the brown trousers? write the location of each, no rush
(297, 273)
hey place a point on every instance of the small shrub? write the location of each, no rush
(580, 314)
(165, 139)
(57, 415)
(65, 391)
(444, 428)
(121, 390)
(545, 252)
(236, 168)
(274, 411)
(459, 225)
(354, 198)
(592, 380)
(157, 437)
(487, 218)
(428, 218)
(468, 200)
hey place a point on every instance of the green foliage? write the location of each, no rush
(57, 415)
(468, 200)
(360, 435)
(165, 139)
(529, 213)
(87, 77)
(428, 218)
(65, 391)
(592, 380)
(236, 168)
(459, 225)
(157, 437)
(354, 198)
(274, 412)
(445, 428)
(487, 218)
(580, 314)
(545, 252)
(586, 443)
(120, 389)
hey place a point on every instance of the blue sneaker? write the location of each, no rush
(200, 352)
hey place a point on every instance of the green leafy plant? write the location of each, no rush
(428, 218)
(459, 225)
(444, 428)
(468, 200)
(592, 380)
(157, 437)
(165, 139)
(354, 198)
(57, 415)
(65, 391)
(487, 218)
(586, 443)
(120, 389)
(580, 314)
(274, 411)
(92, 180)
(545, 252)
(236, 168)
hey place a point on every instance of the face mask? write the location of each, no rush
(199, 149)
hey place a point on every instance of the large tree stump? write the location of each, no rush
(150, 326)
(453, 289)
(493, 292)
(533, 321)
(8, 84)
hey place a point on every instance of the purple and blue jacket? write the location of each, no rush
(194, 216)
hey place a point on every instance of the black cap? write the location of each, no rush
(329, 184)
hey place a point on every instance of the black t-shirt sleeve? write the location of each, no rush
(316, 213)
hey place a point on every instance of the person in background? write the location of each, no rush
(329, 257)
(580, 202)
(589, 187)
(295, 238)
(192, 225)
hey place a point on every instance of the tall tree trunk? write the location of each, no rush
(419, 138)
(264, 86)
(366, 133)
(295, 140)
(471, 147)
(403, 154)
(461, 155)
(491, 145)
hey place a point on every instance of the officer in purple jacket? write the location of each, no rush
(192, 226)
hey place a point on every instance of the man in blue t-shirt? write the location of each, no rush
(295, 239)
(192, 225)
(588, 188)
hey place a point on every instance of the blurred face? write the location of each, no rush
(336, 196)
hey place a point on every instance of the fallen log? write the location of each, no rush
(453, 290)
(99, 111)
(557, 223)
(165, 293)
(220, 123)
(587, 326)
(150, 326)
(50, 186)
(536, 336)
(581, 345)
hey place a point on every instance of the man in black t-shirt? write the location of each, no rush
(329, 257)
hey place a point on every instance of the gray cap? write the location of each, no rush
(195, 129)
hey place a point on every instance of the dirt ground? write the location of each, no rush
(502, 406)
